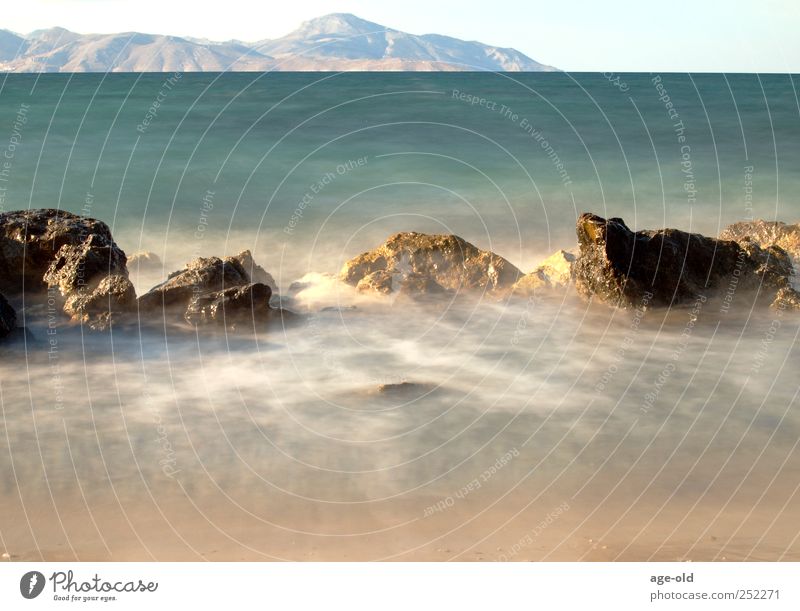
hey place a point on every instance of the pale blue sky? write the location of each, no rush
(618, 35)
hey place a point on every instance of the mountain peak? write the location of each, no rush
(51, 33)
(343, 24)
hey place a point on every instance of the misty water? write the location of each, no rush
(511, 429)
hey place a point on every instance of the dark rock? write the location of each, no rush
(21, 335)
(404, 388)
(765, 234)
(112, 299)
(41, 248)
(428, 263)
(8, 318)
(619, 266)
(212, 291)
(200, 277)
(255, 272)
(236, 305)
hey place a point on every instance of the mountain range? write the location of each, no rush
(333, 42)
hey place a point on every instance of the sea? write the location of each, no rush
(474, 428)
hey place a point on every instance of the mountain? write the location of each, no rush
(342, 41)
(333, 42)
(59, 50)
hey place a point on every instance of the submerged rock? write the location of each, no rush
(421, 263)
(45, 248)
(8, 318)
(766, 234)
(239, 305)
(669, 267)
(339, 309)
(404, 389)
(554, 273)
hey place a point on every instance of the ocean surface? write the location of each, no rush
(545, 429)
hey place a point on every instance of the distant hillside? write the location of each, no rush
(333, 42)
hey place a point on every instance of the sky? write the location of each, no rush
(573, 35)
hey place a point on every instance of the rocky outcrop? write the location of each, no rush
(8, 318)
(620, 266)
(74, 260)
(554, 273)
(766, 234)
(79, 267)
(75, 256)
(421, 263)
(110, 301)
(254, 270)
(200, 277)
(212, 291)
(53, 248)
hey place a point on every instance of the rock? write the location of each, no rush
(619, 266)
(200, 277)
(75, 255)
(213, 291)
(765, 234)
(110, 300)
(47, 247)
(256, 273)
(8, 318)
(144, 260)
(386, 282)
(339, 309)
(786, 299)
(78, 267)
(404, 388)
(376, 282)
(772, 260)
(413, 262)
(414, 284)
(554, 273)
(246, 304)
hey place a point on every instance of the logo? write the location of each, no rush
(31, 584)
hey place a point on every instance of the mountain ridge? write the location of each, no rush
(338, 41)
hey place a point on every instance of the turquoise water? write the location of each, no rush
(439, 151)
(546, 429)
